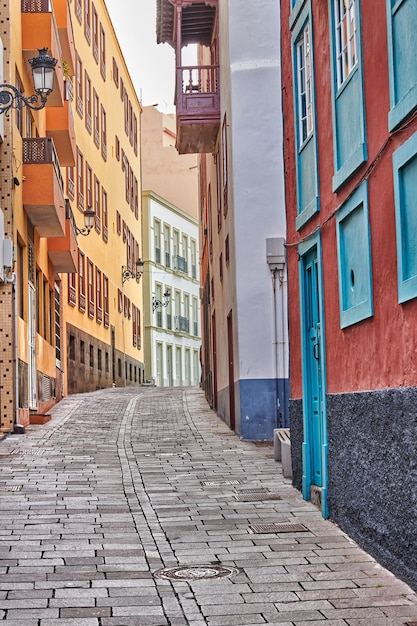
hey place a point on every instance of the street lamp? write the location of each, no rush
(127, 273)
(89, 217)
(43, 71)
(158, 304)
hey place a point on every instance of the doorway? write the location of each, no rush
(231, 371)
(314, 383)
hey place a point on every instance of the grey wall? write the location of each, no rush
(373, 474)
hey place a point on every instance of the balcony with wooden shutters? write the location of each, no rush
(66, 34)
(63, 251)
(60, 126)
(197, 98)
(39, 30)
(43, 187)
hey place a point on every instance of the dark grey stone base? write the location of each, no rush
(296, 426)
(372, 491)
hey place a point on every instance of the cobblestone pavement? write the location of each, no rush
(121, 484)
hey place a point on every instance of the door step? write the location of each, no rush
(315, 496)
(39, 418)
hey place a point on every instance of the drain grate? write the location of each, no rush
(257, 491)
(256, 497)
(220, 483)
(264, 529)
(195, 572)
(34, 451)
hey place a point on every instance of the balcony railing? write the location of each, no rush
(182, 324)
(36, 6)
(181, 264)
(37, 150)
(198, 79)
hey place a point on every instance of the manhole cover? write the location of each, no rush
(256, 497)
(277, 528)
(219, 483)
(195, 572)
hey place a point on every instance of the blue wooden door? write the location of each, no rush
(313, 383)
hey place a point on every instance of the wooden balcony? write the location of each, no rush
(66, 33)
(198, 108)
(60, 126)
(43, 187)
(39, 30)
(63, 251)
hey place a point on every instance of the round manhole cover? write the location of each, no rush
(195, 572)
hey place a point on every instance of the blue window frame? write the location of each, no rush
(402, 26)
(349, 133)
(405, 191)
(304, 115)
(354, 259)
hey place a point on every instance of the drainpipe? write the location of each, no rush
(275, 257)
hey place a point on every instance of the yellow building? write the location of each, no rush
(71, 297)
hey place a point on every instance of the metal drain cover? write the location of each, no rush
(219, 483)
(256, 497)
(195, 572)
(261, 529)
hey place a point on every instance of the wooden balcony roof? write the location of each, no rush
(197, 22)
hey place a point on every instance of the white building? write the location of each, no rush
(172, 323)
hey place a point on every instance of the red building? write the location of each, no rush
(350, 137)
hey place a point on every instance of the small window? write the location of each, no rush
(79, 87)
(405, 190)
(115, 73)
(354, 259)
(102, 52)
(72, 347)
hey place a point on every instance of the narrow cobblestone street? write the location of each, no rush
(123, 483)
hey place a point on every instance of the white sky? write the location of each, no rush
(151, 65)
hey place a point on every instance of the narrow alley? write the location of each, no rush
(136, 507)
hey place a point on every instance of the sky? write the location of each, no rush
(151, 65)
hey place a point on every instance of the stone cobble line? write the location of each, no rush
(137, 507)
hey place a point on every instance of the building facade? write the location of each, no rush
(242, 213)
(103, 298)
(68, 322)
(36, 144)
(350, 138)
(171, 256)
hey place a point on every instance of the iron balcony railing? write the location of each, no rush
(182, 324)
(181, 264)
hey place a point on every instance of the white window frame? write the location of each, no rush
(345, 38)
(304, 84)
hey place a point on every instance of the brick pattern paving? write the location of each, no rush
(124, 482)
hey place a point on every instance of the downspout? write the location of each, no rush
(275, 257)
(278, 422)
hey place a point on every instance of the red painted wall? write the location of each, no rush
(378, 352)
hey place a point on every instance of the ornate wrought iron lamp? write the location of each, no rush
(43, 71)
(158, 304)
(89, 217)
(127, 273)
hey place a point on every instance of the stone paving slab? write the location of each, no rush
(122, 483)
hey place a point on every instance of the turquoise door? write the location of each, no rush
(313, 399)
(313, 367)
